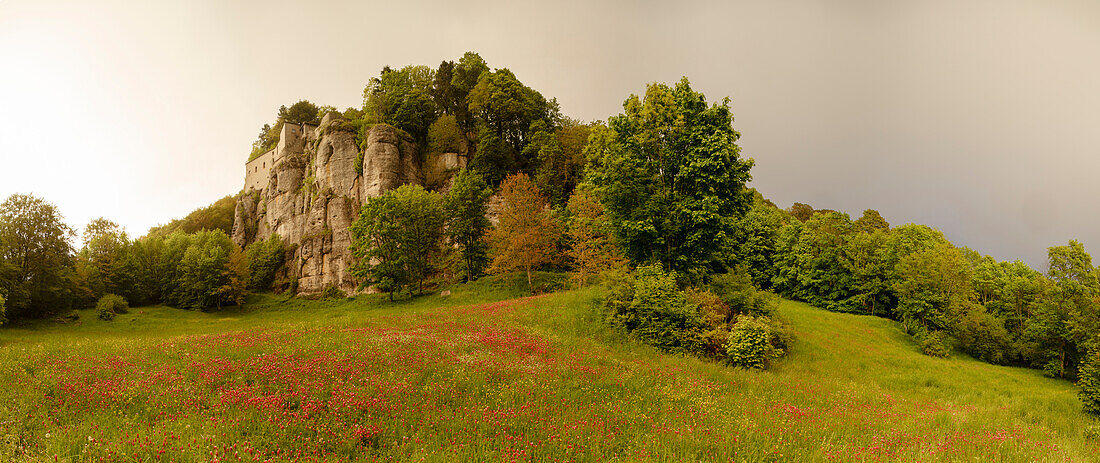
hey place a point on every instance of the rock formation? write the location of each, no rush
(317, 180)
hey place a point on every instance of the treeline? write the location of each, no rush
(948, 297)
(42, 274)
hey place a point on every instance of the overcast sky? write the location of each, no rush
(979, 118)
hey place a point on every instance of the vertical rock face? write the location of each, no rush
(314, 193)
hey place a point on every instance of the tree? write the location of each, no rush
(504, 104)
(801, 211)
(558, 158)
(753, 242)
(933, 288)
(592, 247)
(465, 206)
(216, 216)
(464, 78)
(870, 221)
(34, 241)
(402, 98)
(302, 112)
(395, 237)
(671, 177)
(526, 236)
(1088, 379)
(265, 259)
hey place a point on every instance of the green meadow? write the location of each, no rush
(486, 375)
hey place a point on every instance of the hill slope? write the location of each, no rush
(472, 379)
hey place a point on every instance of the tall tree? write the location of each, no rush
(402, 98)
(396, 236)
(592, 247)
(34, 240)
(465, 206)
(526, 236)
(504, 104)
(672, 177)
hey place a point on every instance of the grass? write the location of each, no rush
(484, 376)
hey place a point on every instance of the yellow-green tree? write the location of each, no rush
(592, 250)
(526, 236)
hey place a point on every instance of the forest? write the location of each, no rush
(653, 204)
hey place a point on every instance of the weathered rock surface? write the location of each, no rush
(314, 193)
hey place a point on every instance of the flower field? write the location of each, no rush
(480, 377)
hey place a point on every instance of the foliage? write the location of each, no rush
(592, 250)
(465, 206)
(110, 305)
(652, 308)
(217, 216)
(751, 343)
(204, 270)
(933, 287)
(395, 237)
(265, 259)
(753, 241)
(502, 103)
(331, 292)
(302, 112)
(444, 136)
(670, 174)
(983, 336)
(526, 236)
(401, 98)
(1088, 379)
(934, 344)
(558, 158)
(736, 290)
(36, 267)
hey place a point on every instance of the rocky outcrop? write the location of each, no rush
(315, 191)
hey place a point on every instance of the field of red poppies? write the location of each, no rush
(529, 379)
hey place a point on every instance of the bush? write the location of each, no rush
(1092, 432)
(110, 305)
(934, 344)
(444, 136)
(737, 290)
(753, 343)
(332, 292)
(652, 308)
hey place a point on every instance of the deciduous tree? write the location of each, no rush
(526, 236)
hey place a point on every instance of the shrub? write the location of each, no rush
(651, 307)
(752, 342)
(110, 305)
(332, 292)
(934, 344)
(737, 290)
(1092, 432)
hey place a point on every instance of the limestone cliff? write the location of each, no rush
(315, 188)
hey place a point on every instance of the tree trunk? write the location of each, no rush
(530, 287)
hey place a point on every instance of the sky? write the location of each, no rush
(976, 117)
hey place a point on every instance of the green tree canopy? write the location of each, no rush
(402, 98)
(395, 237)
(34, 241)
(672, 177)
(465, 206)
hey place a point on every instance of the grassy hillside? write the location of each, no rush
(474, 377)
